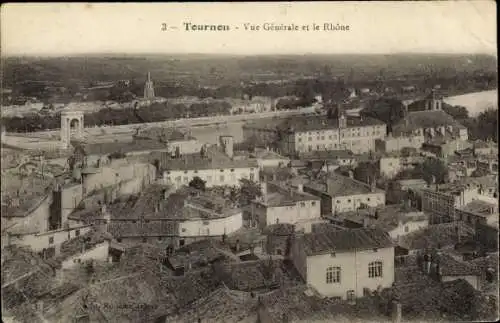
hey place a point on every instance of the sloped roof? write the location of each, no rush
(278, 195)
(338, 185)
(344, 240)
(449, 266)
(425, 119)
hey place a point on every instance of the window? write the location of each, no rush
(181, 242)
(375, 269)
(407, 228)
(313, 203)
(252, 176)
(144, 240)
(77, 233)
(119, 239)
(332, 275)
(51, 240)
(222, 178)
(302, 204)
(300, 140)
(186, 179)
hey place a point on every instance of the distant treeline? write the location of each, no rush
(154, 113)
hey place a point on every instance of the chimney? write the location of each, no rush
(237, 247)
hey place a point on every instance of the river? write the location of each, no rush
(475, 102)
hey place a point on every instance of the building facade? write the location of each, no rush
(336, 266)
(280, 204)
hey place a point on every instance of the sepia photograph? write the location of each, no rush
(250, 162)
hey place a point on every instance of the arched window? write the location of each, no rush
(375, 269)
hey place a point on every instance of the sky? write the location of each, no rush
(374, 27)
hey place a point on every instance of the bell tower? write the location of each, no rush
(149, 91)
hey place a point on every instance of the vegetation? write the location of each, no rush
(197, 183)
(432, 170)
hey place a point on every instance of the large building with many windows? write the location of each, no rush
(217, 166)
(302, 134)
(344, 263)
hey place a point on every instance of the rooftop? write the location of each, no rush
(449, 266)
(327, 154)
(386, 218)
(222, 305)
(425, 119)
(260, 275)
(22, 194)
(266, 154)
(436, 236)
(344, 240)
(481, 208)
(309, 123)
(279, 195)
(213, 160)
(280, 229)
(299, 304)
(338, 185)
(158, 210)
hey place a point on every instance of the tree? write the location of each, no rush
(433, 169)
(197, 183)
(249, 190)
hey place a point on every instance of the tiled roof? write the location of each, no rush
(344, 240)
(32, 191)
(280, 229)
(480, 208)
(86, 241)
(298, 304)
(154, 215)
(388, 219)
(425, 119)
(338, 185)
(309, 123)
(198, 162)
(267, 154)
(223, 305)
(257, 275)
(327, 154)
(487, 181)
(449, 266)
(439, 236)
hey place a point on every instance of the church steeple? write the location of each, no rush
(149, 91)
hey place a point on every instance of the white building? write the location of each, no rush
(341, 193)
(216, 166)
(345, 263)
(280, 204)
